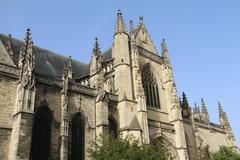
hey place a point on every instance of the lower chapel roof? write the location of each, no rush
(49, 63)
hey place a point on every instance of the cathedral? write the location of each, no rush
(53, 107)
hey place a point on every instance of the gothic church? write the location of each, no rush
(53, 107)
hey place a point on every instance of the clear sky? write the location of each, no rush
(203, 39)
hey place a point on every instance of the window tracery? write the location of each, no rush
(150, 87)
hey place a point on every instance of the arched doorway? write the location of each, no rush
(77, 137)
(41, 134)
(112, 127)
(165, 144)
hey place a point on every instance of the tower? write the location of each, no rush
(123, 81)
(121, 55)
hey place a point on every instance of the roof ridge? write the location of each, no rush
(41, 48)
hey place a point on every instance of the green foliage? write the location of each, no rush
(107, 148)
(226, 153)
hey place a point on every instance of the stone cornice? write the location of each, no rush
(163, 125)
(8, 70)
(212, 127)
(73, 86)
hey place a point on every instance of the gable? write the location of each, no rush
(143, 39)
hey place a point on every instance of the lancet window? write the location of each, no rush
(150, 87)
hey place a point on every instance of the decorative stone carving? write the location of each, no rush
(26, 87)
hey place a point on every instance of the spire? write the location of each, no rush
(28, 40)
(165, 55)
(220, 109)
(96, 61)
(196, 109)
(131, 27)
(185, 106)
(96, 48)
(196, 112)
(120, 26)
(224, 122)
(27, 61)
(141, 19)
(205, 115)
(222, 115)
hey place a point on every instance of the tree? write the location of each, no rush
(108, 148)
(226, 153)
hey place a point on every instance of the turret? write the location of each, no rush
(205, 115)
(121, 56)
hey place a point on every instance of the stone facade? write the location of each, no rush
(128, 89)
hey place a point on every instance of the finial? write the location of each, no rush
(141, 19)
(131, 26)
(28, 39)
(28, 34)
(164, 45)
(96, 48)
(119, 12)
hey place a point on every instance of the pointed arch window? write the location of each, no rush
(77, 137)
(112, 127)
(150, 87)
(41, 134)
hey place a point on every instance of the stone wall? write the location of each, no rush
(8, 88)
(76, 103)
(5, 134)
(212, 136)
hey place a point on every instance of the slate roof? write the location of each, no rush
(49, 63)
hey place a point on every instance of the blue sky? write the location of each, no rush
(203, 39)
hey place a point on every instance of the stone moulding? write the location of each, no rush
(112, 97)
(57, 82)
(162, 125)
(9, 70)
(211, 127)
